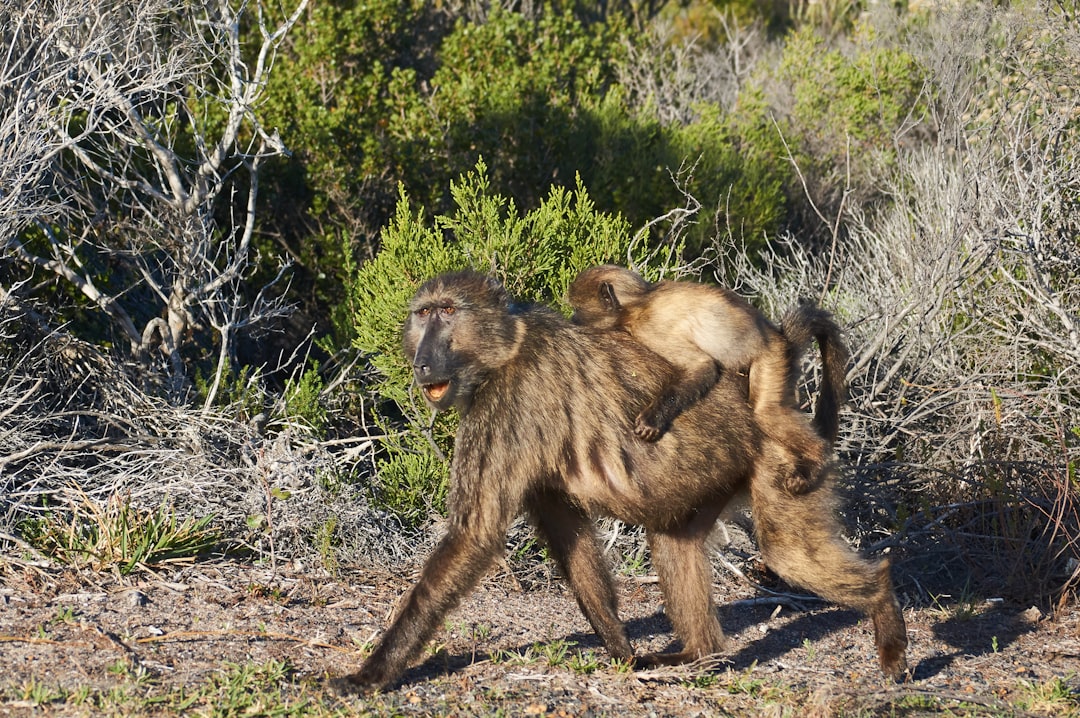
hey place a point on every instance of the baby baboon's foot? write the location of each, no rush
(649, 424)
(804, 478)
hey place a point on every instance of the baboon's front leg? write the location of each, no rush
(456, 565)
(571, 540)
(679, 392)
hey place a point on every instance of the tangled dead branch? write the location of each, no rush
(78, 427)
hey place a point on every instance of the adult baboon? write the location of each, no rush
(699, 329)
(546, 410)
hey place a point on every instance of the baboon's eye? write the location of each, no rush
(449, 310)
(423, 312)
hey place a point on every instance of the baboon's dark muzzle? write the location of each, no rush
(433, 372)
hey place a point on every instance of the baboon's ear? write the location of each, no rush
(608, 298)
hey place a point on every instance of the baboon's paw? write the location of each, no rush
(896, 669)
(359, 683)
(649, 425)
(646, 432)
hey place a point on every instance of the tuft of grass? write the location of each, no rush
(556, 653)
(1059, 696)
(120, 536)
(963, 607)
(746, 683)
(584, 662)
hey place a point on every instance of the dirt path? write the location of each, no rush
(509, 650)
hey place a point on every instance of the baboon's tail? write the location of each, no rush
(802, 324)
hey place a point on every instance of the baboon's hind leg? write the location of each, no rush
(800, 540)
(680, 560)
(772, 397)
(571, 540)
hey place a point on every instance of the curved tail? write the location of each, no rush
(802, 324)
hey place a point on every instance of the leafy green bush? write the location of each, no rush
(535, 254)
(303, 399)
(391, 94)
(867, 95)
(851, 110)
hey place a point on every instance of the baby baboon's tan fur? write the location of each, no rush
(702, 329)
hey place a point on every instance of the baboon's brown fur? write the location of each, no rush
(546, 414)
(700, 328)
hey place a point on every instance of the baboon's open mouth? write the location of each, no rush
(435, 392)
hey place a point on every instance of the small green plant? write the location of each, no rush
(500, 656)
(135, 673)
(747, 684)
(635, 564)
(811, 651)
(243, 689)
(303, 400)
(1059, 696)
(479, 632)
(515, 658)
(702, 680)
(584, 662)
(121, 536)
(65, 614)
(556, 653)
(239, 390)
(961, 608)
(41, 694)
(325, 541)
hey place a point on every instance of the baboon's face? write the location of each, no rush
(429, 333)
(593, 299)
(453, 336)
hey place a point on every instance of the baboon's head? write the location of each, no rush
(599, 294)
(459, 329)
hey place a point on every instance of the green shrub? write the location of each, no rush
(303, 399)
(389, 95)
(852, 109)
(536, 255)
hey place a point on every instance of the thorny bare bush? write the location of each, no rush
(676, 75)
(961, 300)
(129, 166)
(76, 432)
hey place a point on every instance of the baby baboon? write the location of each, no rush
(546, 411)
(701, 328)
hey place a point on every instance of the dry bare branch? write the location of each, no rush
(130, 123)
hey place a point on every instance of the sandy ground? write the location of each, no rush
(70, 629)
